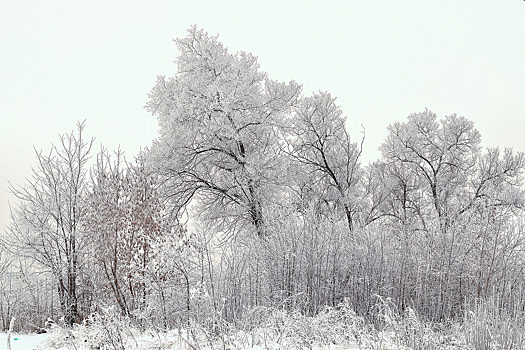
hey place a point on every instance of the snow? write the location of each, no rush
(35, 342)
(23, 341)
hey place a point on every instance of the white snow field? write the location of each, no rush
(37, 341)
(23, 341)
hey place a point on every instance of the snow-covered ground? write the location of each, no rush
(35, 341)
(23, 341)
(176, 341)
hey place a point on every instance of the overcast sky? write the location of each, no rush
(65, 61)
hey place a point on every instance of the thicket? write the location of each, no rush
(252, 217)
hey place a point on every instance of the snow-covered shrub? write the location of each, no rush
(102, 330)
(489, 326)
(272, 327)
(408, 330)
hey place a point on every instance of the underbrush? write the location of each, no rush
(266, 328)
(485, 327)
(489, 326)
(104, 330)
(271, 328)
(409, 331)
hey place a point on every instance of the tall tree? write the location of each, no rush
(320, 143)
(46, 224)
(219, 119)
(442, 154)
(450, 198)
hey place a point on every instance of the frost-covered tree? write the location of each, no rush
(124, 219)
(219, 123)
(445, 202)
(330, 167)
(442, 154)
(46, 224)
(106, 224)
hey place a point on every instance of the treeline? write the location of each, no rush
(254, 194)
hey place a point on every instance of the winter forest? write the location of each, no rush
(251, 221)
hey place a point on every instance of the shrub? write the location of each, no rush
(490, 326)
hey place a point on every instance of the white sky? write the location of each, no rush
(65, 61)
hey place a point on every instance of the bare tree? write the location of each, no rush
(449, 206)
(46, 223)
(330, 161)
